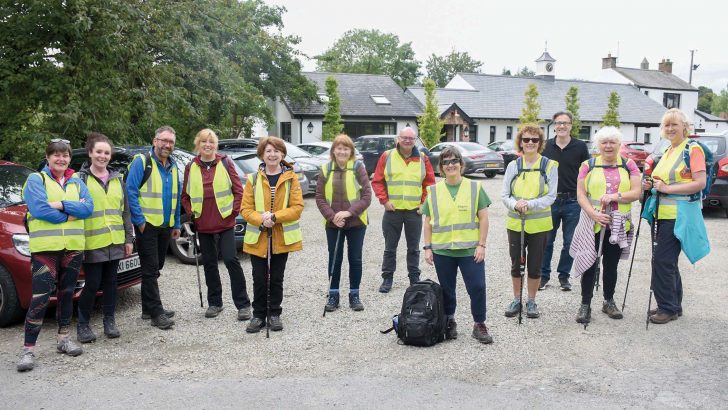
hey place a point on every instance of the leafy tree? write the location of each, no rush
(429, 123)
(333, 125)
(371, 52)
(611, 117)
(705, 99)
(506, 71)
(442, 69)
(572, 106)
(720, 102)
(525, 72)
(531, 107)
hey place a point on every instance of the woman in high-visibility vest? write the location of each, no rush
(680, 223)
(456, 229)
(343, 195)
(212, 193)
(272, 205)
(58, 201)
(605, 188)
(109, 237)
(529, 189)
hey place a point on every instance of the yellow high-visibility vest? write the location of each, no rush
(351, 184)
(291, 230)
(530, 184)
(221, 186)
(670, 170)
(404, 180)
(596, 186)
(150, 195)
(46, 236)
(105, 226)
(455, 223)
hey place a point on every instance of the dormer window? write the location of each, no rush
(380, 100)
(323, 97)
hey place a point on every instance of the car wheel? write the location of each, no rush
(10, 310)
(181, 248)
(490, 174)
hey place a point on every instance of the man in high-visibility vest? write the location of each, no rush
(154, 202)
(400, 181)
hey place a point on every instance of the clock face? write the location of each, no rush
(549, 67)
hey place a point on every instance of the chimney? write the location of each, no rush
(645, 65)
(665, 66)
(609, 62)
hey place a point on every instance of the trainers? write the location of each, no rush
(611, 309)
(513, 309)
(162, 321)
(414, 279)
(26, 360)
(542, 284)
(275, 323)
(452, 329)
(84, 334)
(333, 302)
(565, 285)
(355, 303)
(67, 346)
(480, 333)
(110, 329)
(662, 317)
(584, 315)
(654, 312)
(168, 313)
(386, 285)
(244, 313)
(532, 310)
(213, 311)
(255, 325)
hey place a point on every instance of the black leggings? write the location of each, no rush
(98, 275)
(610, 260)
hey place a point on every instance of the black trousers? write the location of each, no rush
(152, 246)
(277, 267)
(535, 244)
(98, 275)
(666, 278)
(209, 249)
(610, 260)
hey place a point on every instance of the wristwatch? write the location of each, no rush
(619, 196)
(426, 247)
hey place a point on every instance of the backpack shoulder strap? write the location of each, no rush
(542, 168)
(592, 163)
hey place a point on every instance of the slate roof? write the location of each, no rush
(501, 97)
(654, 79)
(545, 57)
(355, 91)
(710, 117)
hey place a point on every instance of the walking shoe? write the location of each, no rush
(452, 329)
(414, 279)
(255, 325)
(662, 317)
(584, 315)
(276, 324)
(654, 312)
(542, 284)
(25, 360)
(84, 334)
(565, 285)
(244, 313)
(67, 346)
(532, 310)
(333, 302)
(168, 313)
(480, 333)
(611, 309)
(355, 303)
(213, 311)
(110, 329)
(513, 309)
(386, 285)
(162, 321)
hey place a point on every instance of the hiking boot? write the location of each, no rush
(84, 334)
(355, 303)
(565, 285)
(333, 302)
(168, 313)
(244, 313)
(213, 311)
(542, 284)
(414, 279)
(255, 325)
(162, 321)
(654, 312)
(386, 285)
(584, 315)
(67, 346)
(26, 360)
(513, 309)
(662, 317)
(275, 323)
(532, 310)
(452, 329)
(480, 333)
(611, 309)
(110, 329)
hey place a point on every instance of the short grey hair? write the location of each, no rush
(608, 132)
(164, 128)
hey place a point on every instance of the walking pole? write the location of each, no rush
(522, 267)
(331, 270)
(634, 250)
(267, 284)
(196, 249)
(597, 268)
(654, 247)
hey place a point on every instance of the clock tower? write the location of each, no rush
(546, 66)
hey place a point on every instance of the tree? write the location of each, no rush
(531, 107)
(506, 71)
(720, 103)
(442, 69)
(333, 125)
(371, 52)
(572, 106)
(611, 117)
(429, 123)
(705, 99)
(525, 72)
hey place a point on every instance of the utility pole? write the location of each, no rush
(692, 67)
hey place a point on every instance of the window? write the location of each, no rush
(286, 131)
(473, 133)
(670, 100)
(647, 138)
(380, 100)
(509, 132)
(492, 133)
(585, 133)
(357, 129)
(647, 92)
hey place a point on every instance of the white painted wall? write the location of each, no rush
(402, 124)
(688, 100)
(459, 83)
(315, 135)
(710, 126)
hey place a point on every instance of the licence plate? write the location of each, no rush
(491, 165)
(129, 263)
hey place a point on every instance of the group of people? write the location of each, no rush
(94, 216)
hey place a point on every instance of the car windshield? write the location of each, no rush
(12, 179)
(248, 163)
(716, 145)
(471, 146)
(316, 149)
(637, 146)
(296, 152)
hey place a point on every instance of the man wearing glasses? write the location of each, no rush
(154, 201)
(569, 153)
(400, 181)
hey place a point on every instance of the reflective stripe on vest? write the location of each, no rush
(46, 236)
(596, 186)
(291, 230)
(455, 223)
(105, 226)
(531, 185)
(669, 170)
(404, 180)
(150, 195)
(351, 185)
(221, 186)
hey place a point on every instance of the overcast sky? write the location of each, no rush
(512, 33)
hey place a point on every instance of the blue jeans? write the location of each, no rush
(564, 213)
(473, 276)
(355, 238)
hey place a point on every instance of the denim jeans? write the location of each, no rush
(355, 240)
(473, 276)
(564, 213)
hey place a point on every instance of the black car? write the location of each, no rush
(507, 149)
(372, 147)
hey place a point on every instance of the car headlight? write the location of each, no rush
(21, 241)
(309, 167)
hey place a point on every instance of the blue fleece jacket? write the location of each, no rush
(36, 197)
(133, 182)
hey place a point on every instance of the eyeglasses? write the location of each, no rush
(165, 141)
(531, 140)
(446, 162)
(55, 140)
(562, 123)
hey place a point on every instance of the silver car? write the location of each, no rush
(478, 158)
(322, 149)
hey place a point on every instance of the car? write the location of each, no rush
(478, 158)
(323, 149)
(654, 157)
(15, 277)
(248, 163)
(372, 147)
(636, 151)
(507, 149)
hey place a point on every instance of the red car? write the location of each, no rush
(636, 151)
(15, 278)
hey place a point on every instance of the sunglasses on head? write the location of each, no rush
(531, 140)
(446, 162)
(67, 142)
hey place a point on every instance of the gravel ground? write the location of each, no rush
(343, 361)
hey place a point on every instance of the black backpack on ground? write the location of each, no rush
(422, 320)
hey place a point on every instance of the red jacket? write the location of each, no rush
(379, 185)
(210, 221)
